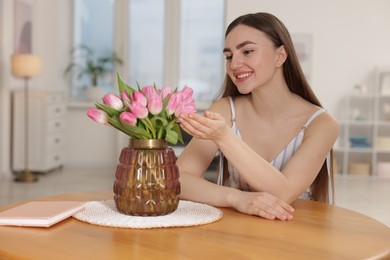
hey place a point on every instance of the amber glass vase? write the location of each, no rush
(147, 179)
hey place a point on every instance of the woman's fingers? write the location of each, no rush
(265, 214)
(212, 115)
(193, 126)
(202, 126)
(275, 212)
(276, 207)
(265, 205)
(272, 212)
(187, 127)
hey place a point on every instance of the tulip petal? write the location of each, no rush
(97, 115)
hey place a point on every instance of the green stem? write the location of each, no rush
(171, 123)
(150, 126)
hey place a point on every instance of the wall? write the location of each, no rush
(51, 39)
(4, 153)
(88, 143)
(350, 39)
(6, 47)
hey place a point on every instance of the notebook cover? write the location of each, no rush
(40, 213)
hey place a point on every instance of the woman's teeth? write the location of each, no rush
(244, 75)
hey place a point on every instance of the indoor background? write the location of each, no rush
(343, 46)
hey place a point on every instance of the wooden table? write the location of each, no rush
(318, 231)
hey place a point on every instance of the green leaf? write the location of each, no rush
(132, 131)
(171, 136)
(137, 132)
(123, 86)
(160, 133)
(171, 123)
(109, 110)
(177, 130)
(114, 121)
(146, 121)
(90, 64)
(157, 119)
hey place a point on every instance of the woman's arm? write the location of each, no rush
(260, 204)
(194, 161)
(195, 188)
(298, 173)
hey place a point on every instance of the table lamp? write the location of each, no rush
(26, 66)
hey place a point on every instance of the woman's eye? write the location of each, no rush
(228, 58)
(247, 52)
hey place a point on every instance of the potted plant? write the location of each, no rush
(87, 63)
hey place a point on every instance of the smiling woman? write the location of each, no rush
(284, 153)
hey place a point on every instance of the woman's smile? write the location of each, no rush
(242, 76)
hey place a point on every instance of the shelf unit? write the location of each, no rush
(46, 135)
(366, 118)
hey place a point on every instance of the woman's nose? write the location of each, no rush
(236, 62)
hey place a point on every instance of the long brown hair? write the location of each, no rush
(294, 77)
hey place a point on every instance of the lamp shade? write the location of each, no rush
(26, 65)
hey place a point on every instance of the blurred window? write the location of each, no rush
(201, 44)
(199, 48)
(93, 26)
(146, 44)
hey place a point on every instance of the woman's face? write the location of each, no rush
(251, 58)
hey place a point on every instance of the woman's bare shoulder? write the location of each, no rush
(324, 123)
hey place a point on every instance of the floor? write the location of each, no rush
(367, 196)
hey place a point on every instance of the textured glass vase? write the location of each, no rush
(147, 179)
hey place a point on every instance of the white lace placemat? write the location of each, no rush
(104, 213)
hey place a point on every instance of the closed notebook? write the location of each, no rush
(40, 213)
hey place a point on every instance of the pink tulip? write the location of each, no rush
(187, 104)
(185, 108)
(139, 97)
(187, 93)
(128, 118)
(97, 115)
(113, 101)
(139, 110)
(148, 91)
(155, 104)
(173, 103)
(181, 102)
(125, 98)
(165, 91)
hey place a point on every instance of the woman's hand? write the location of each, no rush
(211, 126)
(262, 204)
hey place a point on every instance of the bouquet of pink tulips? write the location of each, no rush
(146, 113)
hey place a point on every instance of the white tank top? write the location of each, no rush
(278, 162)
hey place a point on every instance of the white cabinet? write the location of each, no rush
(46, 138)
(363, 147)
